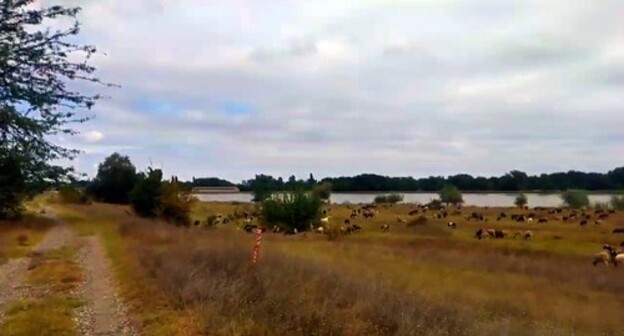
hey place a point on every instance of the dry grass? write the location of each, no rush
(52, 316)
(18, 237)
(427, 279)
(55, 269)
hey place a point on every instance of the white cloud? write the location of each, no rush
(343, 87)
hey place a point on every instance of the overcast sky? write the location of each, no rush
(232, 88)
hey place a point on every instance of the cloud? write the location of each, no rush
(234, 88)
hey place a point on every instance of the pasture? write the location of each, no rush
(418, 278)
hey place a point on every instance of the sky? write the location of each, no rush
(233, 88)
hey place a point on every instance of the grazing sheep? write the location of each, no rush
(618, 230)
(598, 221)
(601, 257)
(452, 225)
(385, 228)
(583, 222)
(528, 235)
(542, 220)
(276, 229)
(413, 212)
(196, 223)
(347, 222)
(401, 220)
(617, 258)
(320, 229)
(325, 220)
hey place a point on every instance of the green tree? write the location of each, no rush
(115, 179)
(521, 200)
(174, 204)
(450, 194)
(575, 199)
(617, 202)
(146, 194)
(391, 198)
(296, 210)
(322, 191)
(40, 68)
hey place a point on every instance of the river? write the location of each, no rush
(480, 199)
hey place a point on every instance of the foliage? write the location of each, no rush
(71, 195)
(175, 204)
(603, 206)
(39, 66)
(146, 193)
(617, 202)
(435, 204)
(450, 194)
(322, 191)
(575, 199)
(511, 181)
(391, 198)
(295, 210)
(521, 200)
(115, 180)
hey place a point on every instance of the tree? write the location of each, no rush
(521, 200)
(617, 202)
(115, 179)
(145, 195)
(575, 199)
(37, 102)
(450, 194)
(295, 210)
(322, 191)
(388, 199)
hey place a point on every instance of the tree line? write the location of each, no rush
(512, 181)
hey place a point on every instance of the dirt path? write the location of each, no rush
(104, 313)
(12, 274)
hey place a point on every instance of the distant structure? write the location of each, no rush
(215, 190)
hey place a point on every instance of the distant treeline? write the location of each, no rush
(512, 181)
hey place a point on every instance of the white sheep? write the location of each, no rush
(325, 220)
(618, 258)
(601, 257)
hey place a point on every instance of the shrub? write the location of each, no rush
(174, 204)
(72, 195)
(604, 206)
(294, 210)
(435, 204)
(575, 199)
(617, 202)
(391, 198)
(145, 195)
(521, 200)
(450, 194)
(322, 191)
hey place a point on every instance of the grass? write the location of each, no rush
(52, 316)
(55, 269)
(428, 279)
(17, 238)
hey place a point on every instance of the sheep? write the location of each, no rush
(598, 221)
(528, 235)
(385, 228)
(618, 230)
(606, 257)
(196, 223)
(452, 225)
(320, 229)
(542, 220)
(618, 258)
(325, 220)
(583, 222)
(347, 222)
(401, 220)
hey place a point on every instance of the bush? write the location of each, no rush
(435, 204)
(575, 199)
(174, 204)
(322, 191)
(521, 200)
(115, 180)
(72, 195)
(168, 200)
(604, 206)
(145, 195)
(293, 210)
(450, 194)
(617, 202)
(391, 198)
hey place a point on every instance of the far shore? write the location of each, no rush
(541, 192)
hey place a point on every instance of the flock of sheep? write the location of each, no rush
(610, 256)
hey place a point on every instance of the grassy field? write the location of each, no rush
(424, 280)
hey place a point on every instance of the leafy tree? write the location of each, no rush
(174, 204)
(115, 179)
(521, 200)
(450, 194)
(322, 191)
(296, 210)
(37, 102)
(146, 194)
(575, 199)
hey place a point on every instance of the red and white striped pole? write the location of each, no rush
(256, 249)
